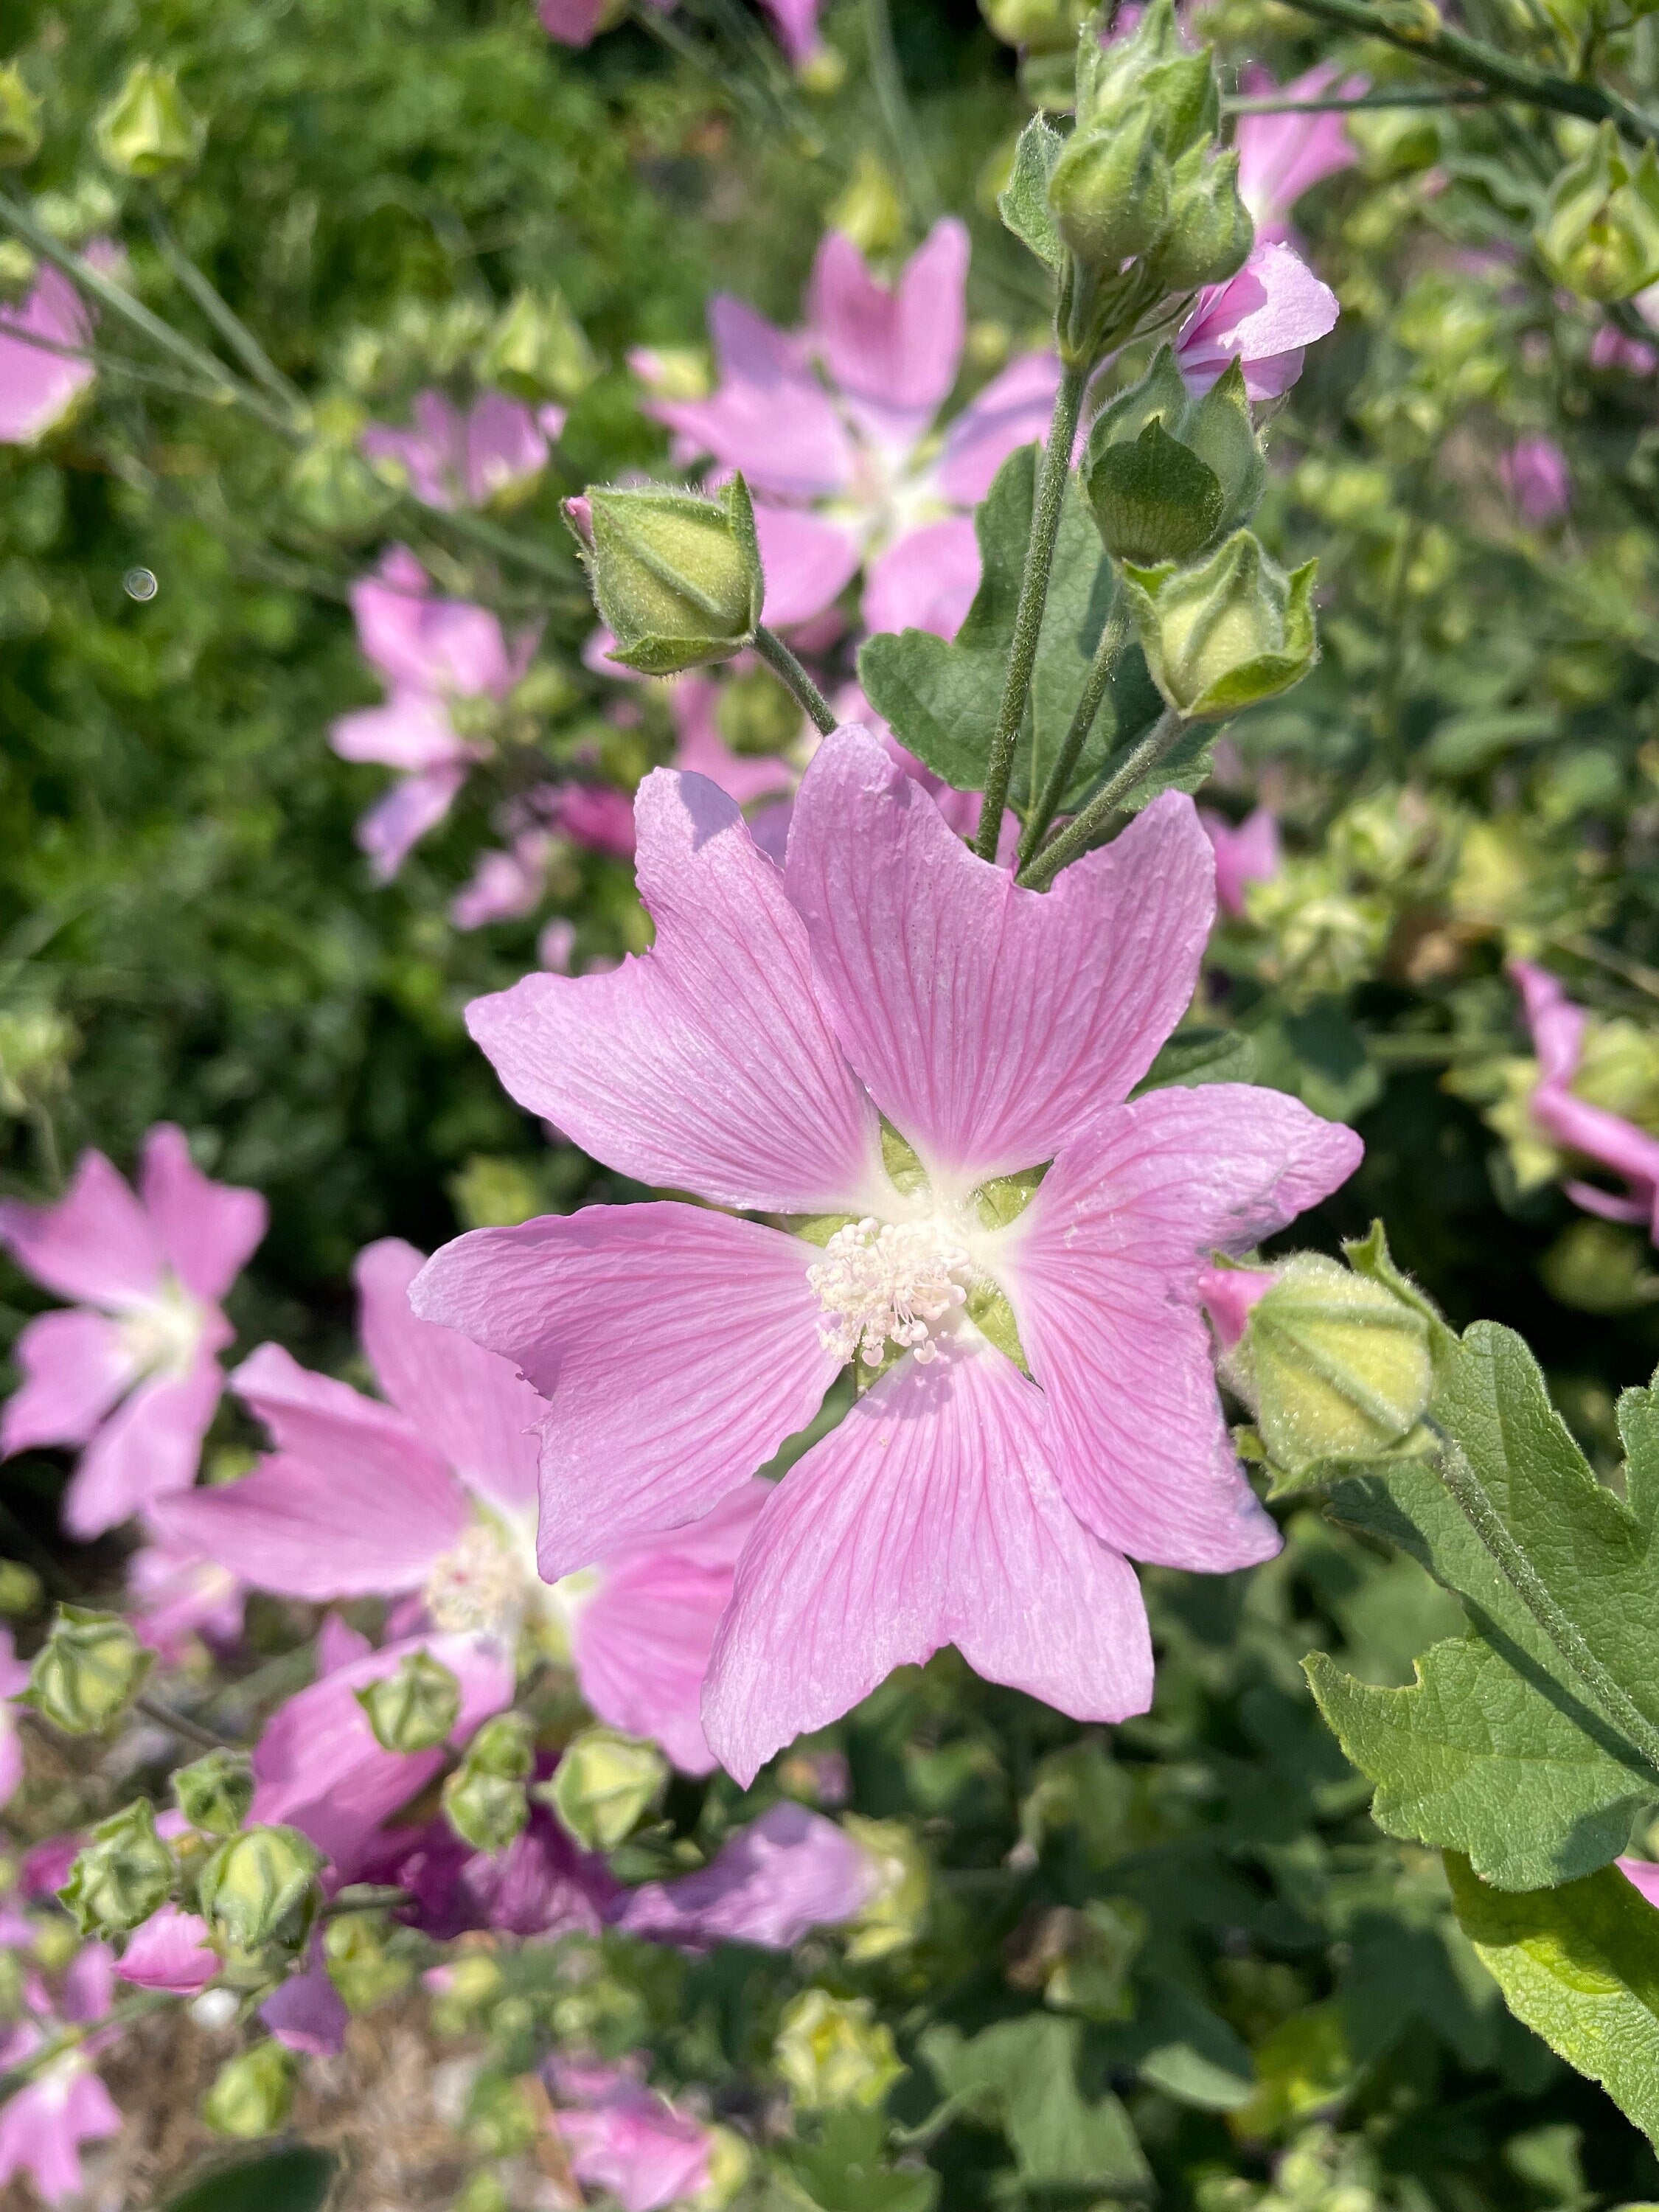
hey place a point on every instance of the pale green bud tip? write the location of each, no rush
(215, 1792)
(676, 577)
(1221, 636)
(125, 1873)
(149, 129)
(834, 2050)
(539, 351)
(20, 118)
(414, 1709)
(259, 1888)
(87, 1672)
(605, 1785)
(253, 2093)
(1110, 193)
(484, 1799)
(893, 1914)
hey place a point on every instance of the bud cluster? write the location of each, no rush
(1600, 231)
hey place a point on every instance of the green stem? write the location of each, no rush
(493, 539)
(1448, 48)
(223, 317)
(1112, 637)
(888, 80)
(1528, 1586)
(365, 1897)
(1474, 95)
(790, 673)
(1033, 597)
(1082, 830)
(191, 1731)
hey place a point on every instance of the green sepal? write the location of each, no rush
(1022, 203)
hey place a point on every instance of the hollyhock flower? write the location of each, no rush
(170, 1951)
(443, 663)
(1282, 156)
(1244, 855)
(39, 387)
(625, 2140)
(1608, 1138)
(770, 1884)
(175, 1596)
(453, 459)
(577, 22)
(748, 1060)
(1536, 477)
(856, 444)
(432, 1496)
(1267, 316)
(44, 2124)
(129, 1372)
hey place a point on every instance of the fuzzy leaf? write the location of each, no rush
(1023, 2075)
(1022, 203)
(1199, 1055)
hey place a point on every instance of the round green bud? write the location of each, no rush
(605, 1785)
(20, 118)
(834, 2050)
(259, 1888)
(417, 1708)
(730, 2163)
(893, 1916)
(1166, 474)
(538, 350)
(123, 1874)
(1209, 233)
(485, 1800)
(1110, 193)
(1221, 636)
(676, 577)
(359, 1964)
(214, 1793)
(252, 2093)
(149, 129)
(1599, 231)
(88, 1671)
(20, 1590)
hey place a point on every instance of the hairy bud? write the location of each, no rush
(259, 1888)
(149, 129)
(676, 577)
(88, 1671)
(605, 1785)
(253, 2093)
(1226, 634)
(1600, 235)
(834, 2050)
(214, 1793)
(1110, 193)
(1165, 474)
(124, 1873)
(414, 1709)
(538, 350)
(20, 118)
(1209, 234)
(484, 1799)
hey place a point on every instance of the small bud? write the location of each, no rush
(214, 1793)
(252, 2094)
(1209, 233)
(1600, 235)
(1110, 193)
(755, 715)
(605, 1785)
(87, 1672)
(20, 119)
(20, 1590)
(1109, 78)
(1165, 474)
(149, 129)
(124, 1873)
(730, 2163)
(359, 1964)
(1221, 636)
(414, 1709)
(260, 1887)
(894, 1915)
(676, 577)
(484, 1799)
(539, 350)
(834, 2050)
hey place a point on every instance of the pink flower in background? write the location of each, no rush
(594, 815)
(577, 22)
(435, 656)
(770, 1884)
(37, 387)
(745, 1060)
(45, 2124)
(175, 1596)
(1611, 349)
(540, 1885)
(1282, 156)
(1629, 1152)
(1268, 316)
(452, 459)
(1643, 1875)
(307, 2012)
(1247, 854)
(170, 1951)
(702, 751)
(506, 885)
(832, 428)
(433, 1496)
(129, 1372)
(626, 2141)
(1536, 477)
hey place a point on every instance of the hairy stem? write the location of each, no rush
(1112, 637)
(365, 1897)
(1471, 95)
(1033, 597)
(1082, 830)
(794, 679)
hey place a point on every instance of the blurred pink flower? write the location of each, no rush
(594, 815)
(1268, 316)
(702, 750)
(576, 22)
(307, 2012)
(14, 1678)
(504, 885)
(1612, 1142)
(452, 459)
(624, 2140)
(1282, 156)
(37, 387)
(432, 654)
(1247, 854)
(129, 1372)
(855, 441)
(1536, 477)
(998, 1030)
(170, 1951)
(44, 2124)
(175, 1596)
(769, 1884)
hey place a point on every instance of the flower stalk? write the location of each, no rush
(1084, 829)
(1108, 652)
(790, 673)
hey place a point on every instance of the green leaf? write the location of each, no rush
(1199, 1055)
(1320, 1057)
(295, 2179)
(844, 2170)
(1177, 2044)
(1022, 203)
(1580, 1965)
(1022, 2075)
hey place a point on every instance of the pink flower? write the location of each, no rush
(1630, 1153)
(43, 2125)
(770, 1884)
(1248, 854)
(577, 22)
(540, 1885)
(1643, 1874)
(1282, 156)
(37, 387)
(307, 2012)
(1267, 316)
(432, 655)
(170, 1951)
(431, 1497)
(625, 2140)
(1228, 1294)
(855, 440)
(128, 1373)
(175, 1596)
(746, 1059)
(1536, 475)
(504, 885)
(594, 815)
(452, 459)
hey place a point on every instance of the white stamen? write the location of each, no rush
(161, 1336)
(479, 1588)
(887, 1281)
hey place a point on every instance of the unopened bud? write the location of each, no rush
(124, 1873)
(259, 1888)
(1167, 474)
(539, 350)
(214, 1793)
(20, 1590)
(893, 1916)
(149, 129)
(87, 1672)
(252, 2094)
(332, 484)
(1110, 78)
(20, 118)
(359, 1964)
(1209, 233)
(1047, 26)
(676, 577)
(485, 1799)
(605, 1785)
(417, 1708)
(1223, 635)
(1110, 193)
(834, 2050)
(1600, 235)
(730, 2163)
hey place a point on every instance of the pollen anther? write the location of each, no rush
(886, 1282)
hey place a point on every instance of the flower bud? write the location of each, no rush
(149, 129)
(253, 2093)
(1225, 634)
(894, 1915)
(605, 1785)
(1110, 193)
(1600, 235)
(1110, 78)
(20, 119)
(755, 715)
(414, 1709)
(214, 1793)
(20, 1590)
(834, 2050)
(1208, 234)
(359, 1964)
(730, 2163)
(539, 350)
(676, 577)
(1166, 474)
(124, 1873)
(485, 1798)
(87, 1672)
(260, 1887)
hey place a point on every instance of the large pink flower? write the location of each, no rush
(1629, 1152)
(833, 430)
(38, 386)
(128, 1372)
(452, 459)
(748, 1060)
(432, 1497)
(435, 656)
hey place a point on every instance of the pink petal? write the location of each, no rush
(771, 1883)
(796, 22)
(926, 580)
(504, 446)
(1228, 1294)
(679, 1348)
(1281, 156)
(96, 1244)
(928, 1517)
(307, 2012)
(596, 816)
(175, 1596)
(150, 1446)
(1103, 1271)
(14, 1671)
(396, 823)
(769, 416)
(702, 751)
(990, 1024)
(208, 1230)
(339, 1644)
(37, 388)
(807, 562)
(75, 1367)
(705, 1065)
(1556, 1026)
(634, 2149)
(899, 349)
(172, 1951)
(1248, 854)
(1014, 409)
(470, 1406)
(44, 2125)
(89, 1984)
(571, 22)
(1643, 1874)
(1265, 316)
(390, 609)
(411, 732)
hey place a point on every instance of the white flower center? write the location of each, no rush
(882, 1282)
(479, 1588)
(162, 1334)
